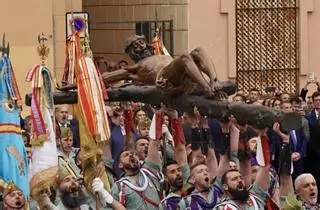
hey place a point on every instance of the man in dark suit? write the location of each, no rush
(313, 148)
(62, 119)
(298, 143)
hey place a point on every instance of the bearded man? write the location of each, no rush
(140, 187)
(13, 199)
(237, 194)
(173, 76)
(307, 191)
(72, 194)
(176, 174)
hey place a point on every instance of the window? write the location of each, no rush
(148, 29)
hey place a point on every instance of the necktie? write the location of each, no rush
(293, 138)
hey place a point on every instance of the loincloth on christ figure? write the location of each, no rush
(185, 84)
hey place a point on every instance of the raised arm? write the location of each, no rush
(262, 179)
(212, 162)
(153, 153)
(234, 142)
(286, 184)
(128, 126)
(245, 170)
(180, 152)
(230, 140)
(106, 199)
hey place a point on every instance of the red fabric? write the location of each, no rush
(123, 195)
(270, 205)
(177, 129)
(159, 122)
(103, 87)
(86, 108)
(226, 207)
(149, 200)
(265, 149)
(128, 121)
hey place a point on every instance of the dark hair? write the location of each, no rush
(315, 94)
(243, 98)
(296, 100)
(270, 89)
(136, 112)
(122, 151)
(142, 137)
(166, 114)
(224, 178)
(168, 163)
(274, 101)
(264, 103)
(117, 111)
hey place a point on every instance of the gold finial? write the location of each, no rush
(8, 188)
(86, 42)
(43, 49)
(3, 49)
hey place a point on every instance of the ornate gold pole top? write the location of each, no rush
(43, 49)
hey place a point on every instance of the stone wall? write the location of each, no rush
(112, 21)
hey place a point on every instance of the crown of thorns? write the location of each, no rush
(132, 39)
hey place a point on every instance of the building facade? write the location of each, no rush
(256, 43)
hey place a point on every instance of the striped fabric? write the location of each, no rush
(10, 80)
(41, 98)
(158, 47)
(91, 90)
(10, 128)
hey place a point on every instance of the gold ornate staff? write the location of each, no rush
(43, 49)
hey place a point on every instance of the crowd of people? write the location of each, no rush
(197, 162)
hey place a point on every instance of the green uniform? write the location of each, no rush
(71, 159)
(172, 196)
(109, 164)
(134, 200)
(292, 202)
(256, 201)
(196, 200)
(89, 205)
(82, 207)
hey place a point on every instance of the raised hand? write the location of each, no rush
(284, 137)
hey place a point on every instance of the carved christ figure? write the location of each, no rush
(173, 76)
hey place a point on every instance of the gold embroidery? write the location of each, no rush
(15, 153)
(10, 128)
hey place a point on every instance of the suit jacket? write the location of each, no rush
(300, 145)
(74, 126)
(314, 142)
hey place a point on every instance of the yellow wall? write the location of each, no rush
(212, 26)
(208, 28)
(22, 21)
